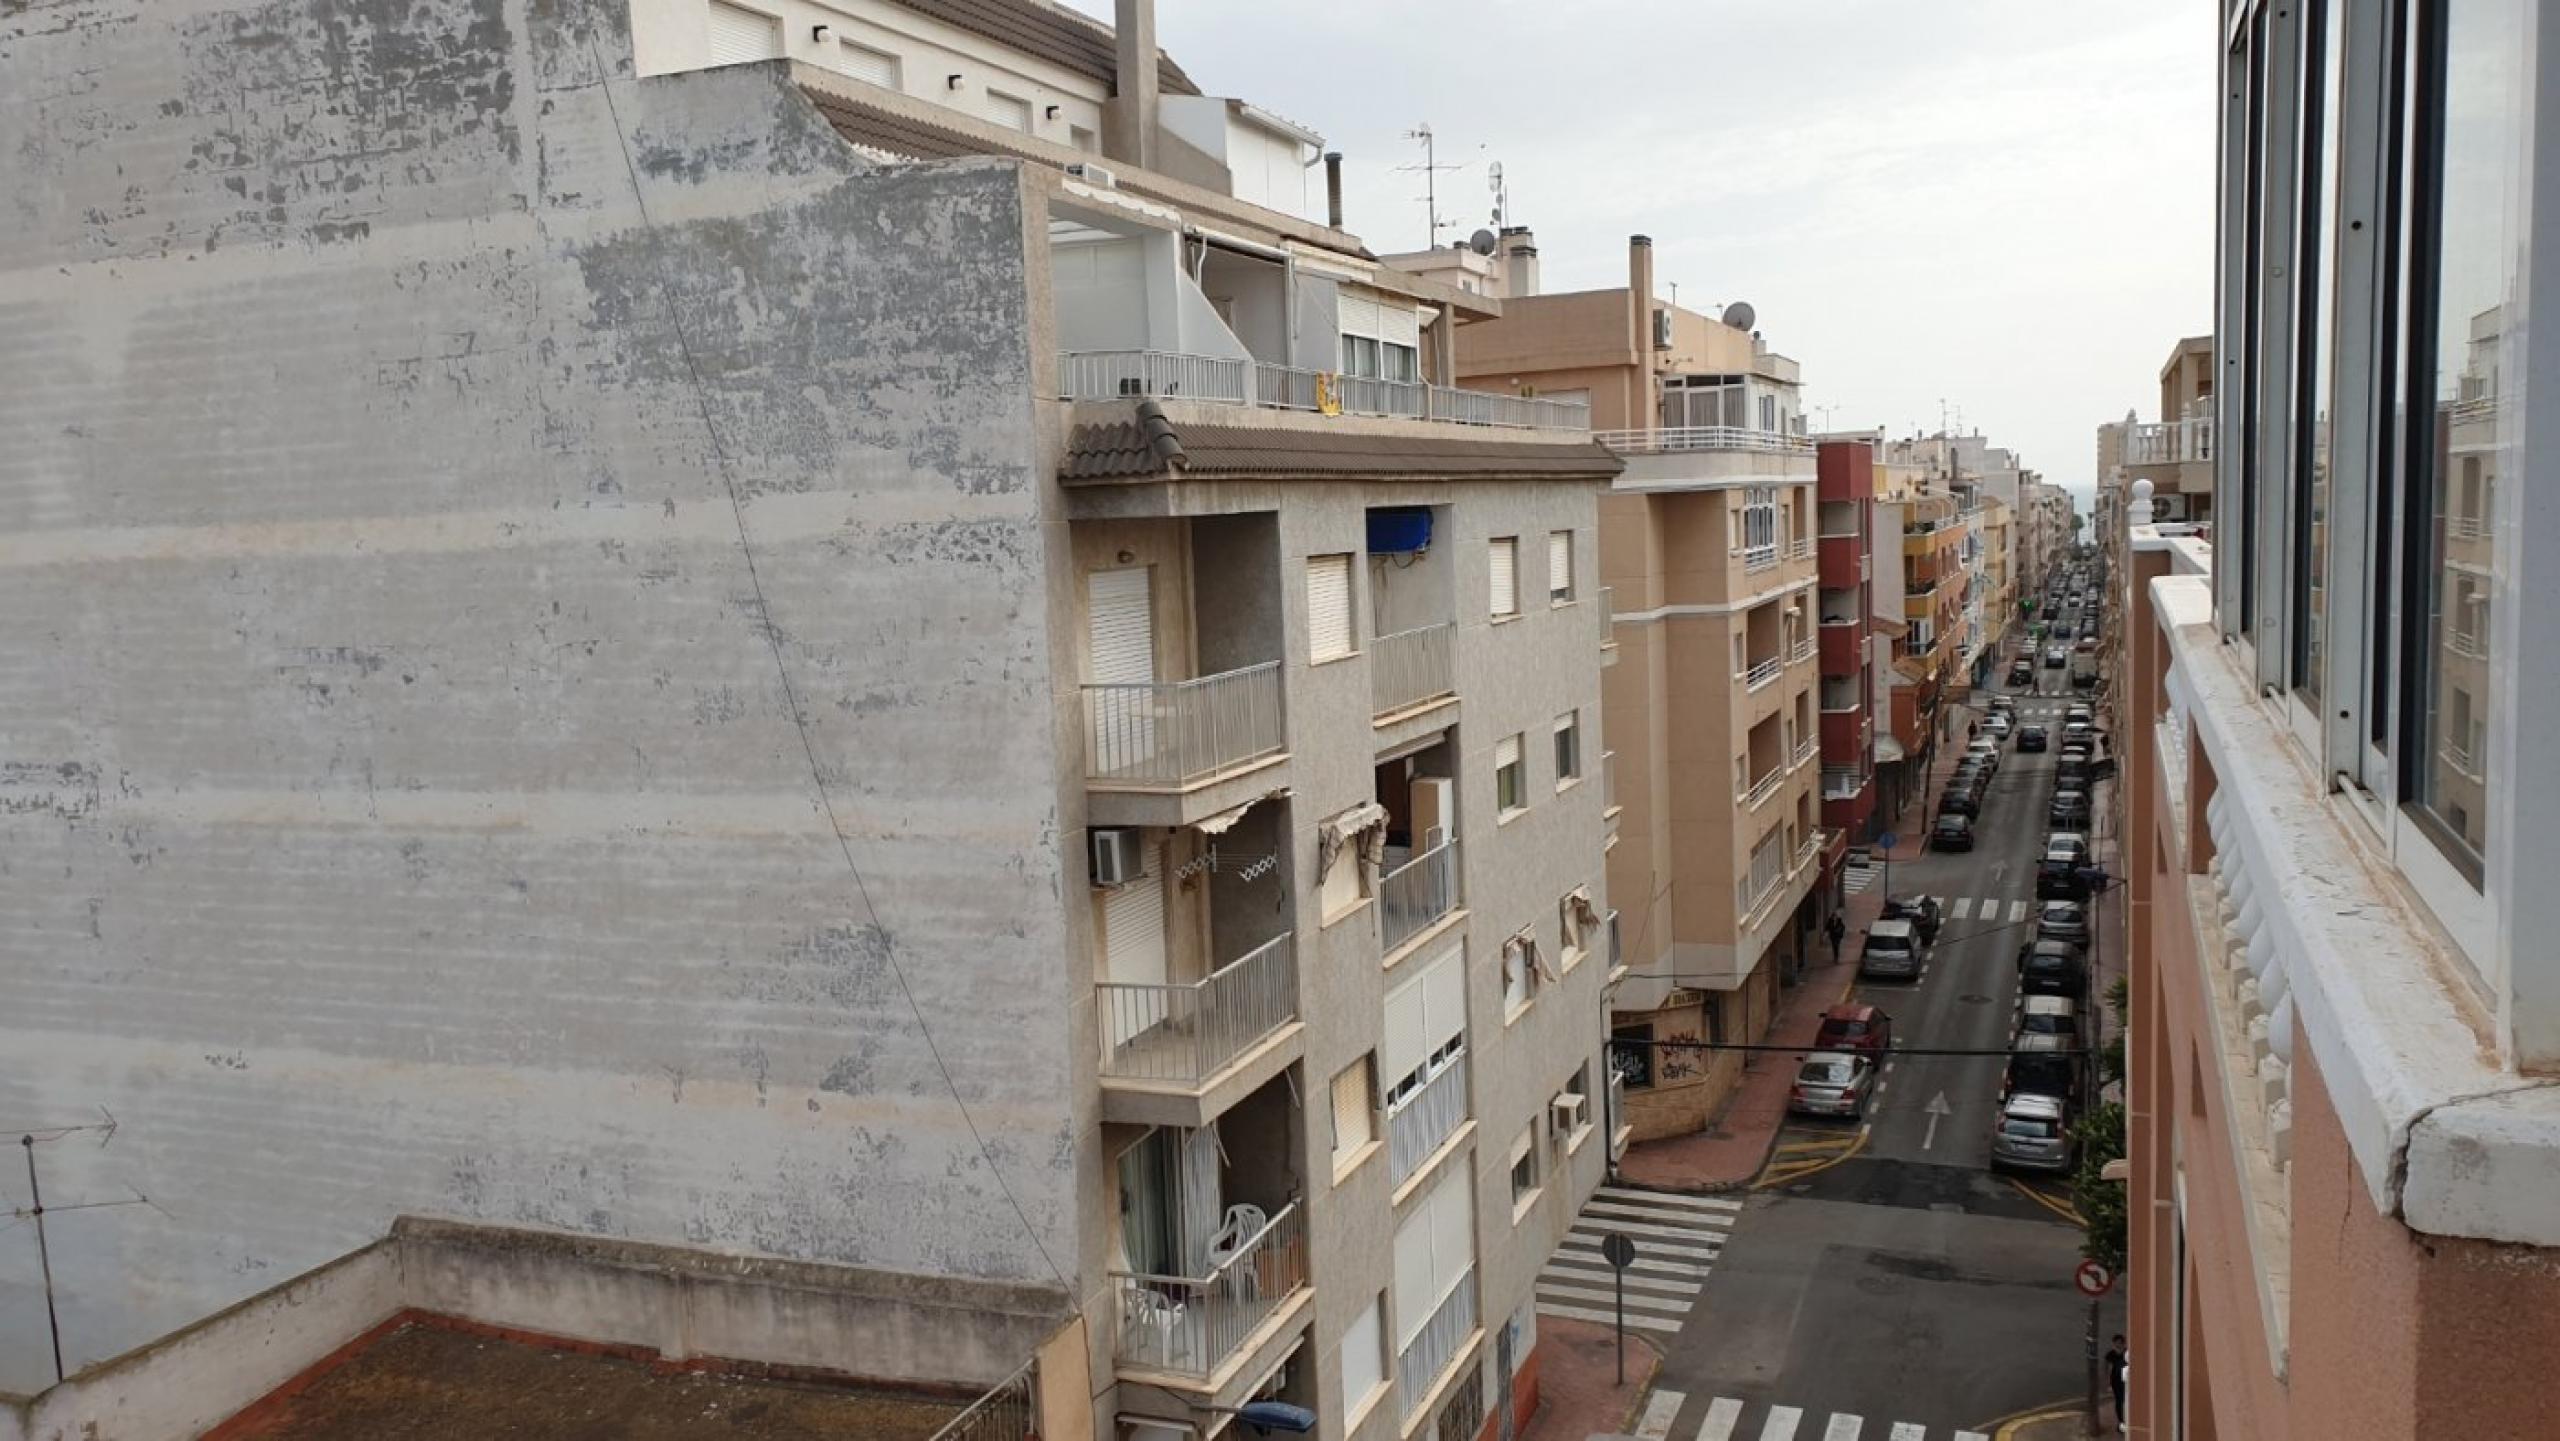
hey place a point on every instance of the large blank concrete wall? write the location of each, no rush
(400, 804)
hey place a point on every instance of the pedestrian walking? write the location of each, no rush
(1837, 929)
(2119, 1359)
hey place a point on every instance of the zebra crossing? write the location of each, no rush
(2006, 910)
(1856, 876)
(1728, 1418)
(1677, 1241)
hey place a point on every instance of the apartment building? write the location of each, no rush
(2174, 452)
(1844, 609)
(1995, 522)
(1707, 547)
(807, 668)
(2344, 1122)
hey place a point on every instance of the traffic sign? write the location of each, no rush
(1618, 1250)
(2093, 1279)
(1888, 841)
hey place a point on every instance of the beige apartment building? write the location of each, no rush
(978, 755)
(1712, 713)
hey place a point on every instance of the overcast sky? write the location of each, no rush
(2002, 204)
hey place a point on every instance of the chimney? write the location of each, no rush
(1640, 294)
(1333, 188)
(1519, 261)
(1129, 121)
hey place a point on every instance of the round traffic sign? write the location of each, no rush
(1618, 1250)
(2093, 1279)
(1887, 841)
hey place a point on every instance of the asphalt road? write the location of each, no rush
(1893, 1278)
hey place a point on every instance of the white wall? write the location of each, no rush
(1101, 290)
(1270, 169)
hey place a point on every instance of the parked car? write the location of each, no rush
(1985, 747)
(1960, 801)
(1832, 1083)
(1996, 725)
(2046, 1023)
(2022, 672)
(2052, 968)
(2063, 921)
(2069, 810)
(2031, 738)
(1952, 832)
(2032, 1134)
(2078, 713)
(2055, 658)
(1893, 951)
(1855, 1026)
(1922, 911)
(2042, 1073)
(2072, 770)
(2004, 705)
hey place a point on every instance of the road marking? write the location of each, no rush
(1914, 1431)
(1596, 1276)
(1971, 1436)
(1721, 1417)
(1653, 1213)
(1937, 1109)
(2017, 911)
(1781, 1425)
(1699, 1232)
(1845, 1427)
(1658, 1413)
(1667, 1305)
(1964, 908)
(1650, 1250)
(1607, 1318)
(1667, 1198)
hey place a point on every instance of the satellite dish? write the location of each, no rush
(1481, 242)
(1740, 315)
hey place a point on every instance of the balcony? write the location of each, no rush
(1801, 651)
(1760, 790)
(1609, 806)
(1806, 750)
(1413, 668)
(1843, 647)
(1675, 440)
(1178, 738)
(1843, 559)
(1420, 1365)
(2470, 645)
(1414, 897)
(2173, 442)
(1190, 1327)
(1800, 548)
(1104, 375)
(1763, 673)
(1842, 783)
(1426, 1120)
(1607, 615)
(1177, 1054)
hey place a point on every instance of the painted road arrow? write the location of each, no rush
(1937, 1107)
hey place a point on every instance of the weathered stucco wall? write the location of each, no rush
(401, 808)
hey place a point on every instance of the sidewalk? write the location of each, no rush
(1578, 1392)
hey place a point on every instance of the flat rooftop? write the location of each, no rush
(429, 1381)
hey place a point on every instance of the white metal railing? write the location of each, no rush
(1768, 870)
(2466, 643)
(1763, 673)
(1009, 1412)
(1805, 853)
(1758, 557)
(1807, 749)
(1608, 780)
(1413, 666)
(2168, 442)
(1763, 788)
(1662, 440)
(1414, 895)
(1800, 548)
(1190, 1325)
(2461, 757)
(1284, 388)
(1155, 374)
(1520, 412)
(1433, 1347)
(1608, 615)
(2464, 527)
(1801, 651)
(1177, 733)
(1428, 1117)
(1188, 1033)
(1370, 395)
(1840, 783)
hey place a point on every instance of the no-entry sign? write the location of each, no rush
(2093, 1279)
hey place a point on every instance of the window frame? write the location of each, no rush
(1568, 747)
(1316, 564)
(1495, 545)
(1564, 596)
(1519, 767)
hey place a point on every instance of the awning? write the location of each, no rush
(1225, 820)
(1340, 830)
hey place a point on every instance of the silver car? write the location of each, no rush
(2032, 1134)
(1892, 950)
(1832, 1083)
(2047, 1023)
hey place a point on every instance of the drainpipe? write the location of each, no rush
(1333, 188)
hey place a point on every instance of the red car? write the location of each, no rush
(1855, 1027)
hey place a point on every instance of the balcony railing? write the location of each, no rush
(2461, 757)
(1801, 651)
(1418, 893)
(1763, 673)
(2467, 643)
(1840, 701)
(1800, 548)
(1182, 732)
(2463, 527)
(1190, 1325)
(1807, 749)
(1009, 1412)
(1608, 781)
(1164, 375)
(1840, 783)
(1184, 1034)
(1763, 788)
(1608, 615)
(1413, 666)
(1670, 439)
(1433, 1347)
(1427, 1118)
(2169, 442)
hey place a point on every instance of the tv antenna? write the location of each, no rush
(36, 1210)
(1430, 168)
(1501, 194)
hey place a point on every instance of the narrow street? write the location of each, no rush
(1881, 1280)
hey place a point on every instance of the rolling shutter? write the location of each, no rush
(1434, 1249)
(1399, 324)
(1352, 1109)
(1120, 621)
(1560, 564)
(739, 34)
(877, 67)
(1328, 606)
(1357, 313)
(1364, 1365)
(1423, 1014)
(1505, 566)
(1010, 111)
(1133, 929)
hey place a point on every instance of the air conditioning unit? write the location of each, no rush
(1117, 859)
(1662, 330)
(1568, 1113)
(1091, 174)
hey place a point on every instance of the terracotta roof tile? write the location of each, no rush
(1080, 44)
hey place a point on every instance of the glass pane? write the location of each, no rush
(2477, 105)
(2320, 285)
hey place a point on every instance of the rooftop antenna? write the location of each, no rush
(1501, 194)
(36, 1210)
(1430, 168)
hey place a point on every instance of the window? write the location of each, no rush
(1524, 1166)
(1463, 1418)
(1631, 1054)
(1576, 920)
(1510, 792)
(2317, 270)
(1524, 965)
(1757, 534)
(740, 34)
(1568, 748)
(879, 67)
(1571, 1106)
(1364, 1358)
(1503, 563)
(1355, 1110)
(1328, 606)
(1559, 566)
(1347, 849)
(1010, 111)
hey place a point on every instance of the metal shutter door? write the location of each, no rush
(1351, 1109)
(1363, 1362)
(741, 34)
(1010, 111)
(869, 65)
(1133, 929)
(1506, 579)
(1453, 1227)
(1120, 622)
(1414, 1270)
(1405, 1043)
(1399, 324)
(1357, 314)
(1444, 1001)
(1560, 562)
(1328, 606)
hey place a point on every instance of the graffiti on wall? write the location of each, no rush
(1679, 1056)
